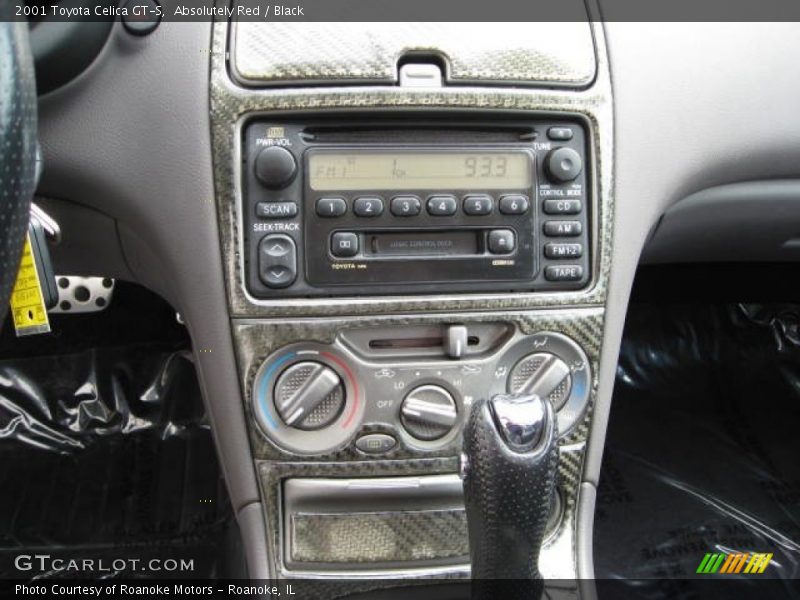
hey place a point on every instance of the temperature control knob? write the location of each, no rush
(275, 167)
(428, 412)
(309, 395)
(563, 164)
(543, 374)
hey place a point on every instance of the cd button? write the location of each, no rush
(331, 207)
(562, 228)
(478, 204)
(562, 207)
(513, 204)
(344, 244)
(442, 206)
(368, 206)
(501, 241)
(405, 206)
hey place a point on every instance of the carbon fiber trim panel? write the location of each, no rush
(275, 53)
(231, 104)
(379, 537)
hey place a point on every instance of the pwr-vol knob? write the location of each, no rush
(309, 396)
(429, 412)
(275, 167)
(543, 374)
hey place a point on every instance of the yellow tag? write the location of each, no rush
(27, 300)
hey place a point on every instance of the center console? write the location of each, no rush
(395, 253)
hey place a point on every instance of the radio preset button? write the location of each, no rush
(563, 273)
(368, 206)
(442, 206)
(277, 260)
(513, 204)
(331, 207)
(563, 228)
(344, 244)
(478, 204)
(563, 250)
(501, 241)
(405, 206)
(276, 210)
(559, 133)
(569, 206)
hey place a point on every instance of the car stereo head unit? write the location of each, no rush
(401, 207)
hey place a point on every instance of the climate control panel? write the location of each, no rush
(381, 391)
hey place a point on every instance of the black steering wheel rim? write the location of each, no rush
(17, 146)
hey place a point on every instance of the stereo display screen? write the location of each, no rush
(335, 171)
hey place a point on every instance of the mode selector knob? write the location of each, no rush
(563, 164)
(428, 412)
(309, 395)
(543, 374)
(275, 167)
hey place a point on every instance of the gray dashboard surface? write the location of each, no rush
(130, 139)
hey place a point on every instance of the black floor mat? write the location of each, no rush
(703, 447)
(106, 453)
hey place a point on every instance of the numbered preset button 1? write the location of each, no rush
(368, 206)
(331, 207)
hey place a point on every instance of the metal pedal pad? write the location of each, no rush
(83, 294)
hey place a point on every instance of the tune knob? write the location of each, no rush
(275, 167)
(428, 412)
(543, 374)
(563, 164)
(309, 395)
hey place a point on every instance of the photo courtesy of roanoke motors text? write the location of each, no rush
(376, 300)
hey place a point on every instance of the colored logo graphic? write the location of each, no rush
(735, 562)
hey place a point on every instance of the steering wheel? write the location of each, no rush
(17, 146)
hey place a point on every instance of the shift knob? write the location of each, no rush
(509, 471)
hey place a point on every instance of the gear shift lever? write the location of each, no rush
(509, 470)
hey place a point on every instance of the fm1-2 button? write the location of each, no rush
(478, 204)
(563, 250)
(368, 206)
(501, 241)
(513, 204)
(277, 261)
(331, 207)
(344, 244)
(442, 206)
(405, 206)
